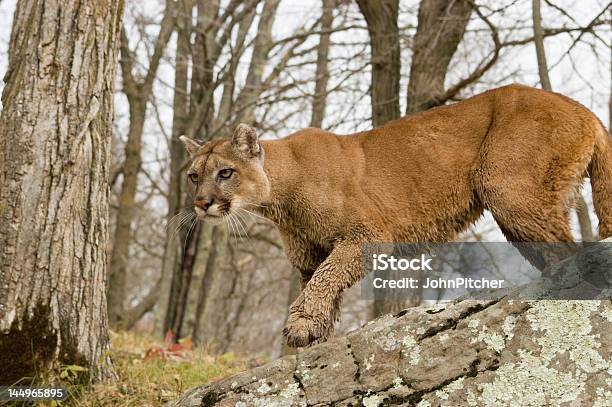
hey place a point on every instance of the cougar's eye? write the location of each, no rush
(225, 173)
(193, 177)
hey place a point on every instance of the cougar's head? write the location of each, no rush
(227, 175)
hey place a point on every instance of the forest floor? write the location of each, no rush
(152, 373)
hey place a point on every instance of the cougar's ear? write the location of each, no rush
(245, 140)
(191, 145)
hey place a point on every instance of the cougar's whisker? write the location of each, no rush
(243, 223)
(178, 216)
(187, 235)
(256, 215)
(238, 225)
(180, 225)
(230, 223)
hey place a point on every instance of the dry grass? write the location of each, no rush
(155, 379)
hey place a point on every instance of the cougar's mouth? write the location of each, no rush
(215, 214)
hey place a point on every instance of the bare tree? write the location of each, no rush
(582, 209)
(176, 187)
(441, 24)
(54, 154)
(138, 93)
(381, 17)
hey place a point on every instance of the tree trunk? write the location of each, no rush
(54, 168)
(201, 80)
(538, 39)
(247, 100)
(117, 268)
(177, 160)
(215, 245)
(293, 292)
(218, 282)
(146, 304)
(319, 101)
(138, 94)
(381, 17)
(179, 290)
(582, 209)
(441, 24)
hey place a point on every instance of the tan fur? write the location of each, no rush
(516, 151)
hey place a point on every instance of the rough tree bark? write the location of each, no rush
(582, 209)
(138, 93)
(498, 352)
(441, 25)
(54, 166)
(381, 17)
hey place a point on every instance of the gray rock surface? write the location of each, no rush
(497, 352)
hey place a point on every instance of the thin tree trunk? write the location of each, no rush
(216, 239)
(381, 17)
(54, 168)
(213, 307)
(146, 304)
(441, 25)
(138, 94)
(201, 79)
(176, 189)
(180, 288)
(582, 209)
(247, 100)
(319, 101)
(125, 213)
(538, 39)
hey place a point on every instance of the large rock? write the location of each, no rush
(502, 351)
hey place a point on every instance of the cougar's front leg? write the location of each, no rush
(313, 313)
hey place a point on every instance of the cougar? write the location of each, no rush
(519, 152)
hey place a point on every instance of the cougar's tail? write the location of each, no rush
(601, 181)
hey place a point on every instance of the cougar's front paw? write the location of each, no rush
(302, 331)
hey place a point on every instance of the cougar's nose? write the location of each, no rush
(203, 202)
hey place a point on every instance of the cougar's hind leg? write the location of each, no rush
(529, 172)
(527, 211)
